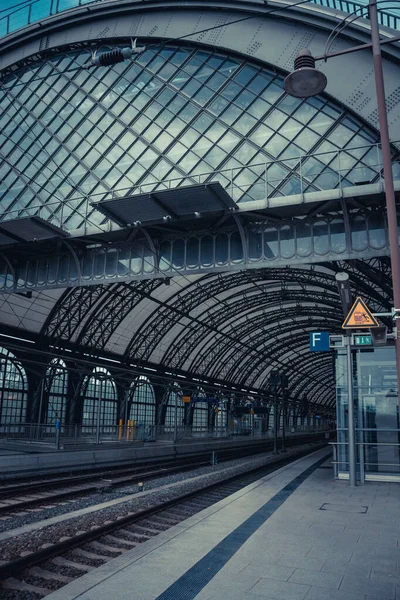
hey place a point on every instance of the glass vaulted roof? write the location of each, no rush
(68, 136)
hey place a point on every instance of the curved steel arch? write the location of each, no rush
(268, 350)
(306, 384)
(301, 356)
(295, 369)
(304, 389)
(161, 320)
(120, 301)
(227, 360)
(238, 304)
(70, 311)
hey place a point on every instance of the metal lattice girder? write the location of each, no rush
(152, 332)
(71, 311)
(244, 303)
(305, 386)
(149, 336)
(278, 349)
(253, 367)
(294, 360)
(153, 255)
(323, 369)
(266, 336)
(120, 300)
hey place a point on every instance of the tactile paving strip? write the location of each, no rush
(195, 579)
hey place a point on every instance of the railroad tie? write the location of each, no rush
(120, 540)
(151, 530)
(44, 574)
(107, 548)
(64, 562)
(91, 555)
(132, 534)
(21, 586)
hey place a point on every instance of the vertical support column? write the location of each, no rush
(98, 420)
(283, 421)
(275, 451)
(352, 448)
(388, 175)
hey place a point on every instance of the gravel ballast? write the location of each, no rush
(180, 483)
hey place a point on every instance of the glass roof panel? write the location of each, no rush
(202, 111)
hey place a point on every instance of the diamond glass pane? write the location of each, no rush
(177, 113)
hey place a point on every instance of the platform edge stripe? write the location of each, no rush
(197, 577)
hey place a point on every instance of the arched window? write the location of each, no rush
(200, 414)
(143, 403)
(99, 389)
(174, 398)
(56, 384)
(13, 388)
(220, 416)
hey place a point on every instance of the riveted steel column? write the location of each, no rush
(387, 172)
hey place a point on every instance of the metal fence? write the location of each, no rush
(74, 435)
(255, 182)
(376, 461)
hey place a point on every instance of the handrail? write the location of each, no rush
(62, 210)
(35, 10)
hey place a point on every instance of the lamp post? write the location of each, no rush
(306, 81)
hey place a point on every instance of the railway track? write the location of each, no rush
(24, 496)
(37, 573)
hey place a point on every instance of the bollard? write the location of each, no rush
(58, 430)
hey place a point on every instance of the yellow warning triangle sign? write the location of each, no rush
(359, 317)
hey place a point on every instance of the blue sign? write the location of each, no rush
(319, 341)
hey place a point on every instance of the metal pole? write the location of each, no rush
(283, 422)
(58, 429)
(98, 416)
(352, 449)
(176, 419)
(387, 172)
(40, 407)
(275, 451)
(127, 394)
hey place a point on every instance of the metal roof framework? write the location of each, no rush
(191, 324)
(230, 328)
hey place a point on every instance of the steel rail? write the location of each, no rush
(15, 567)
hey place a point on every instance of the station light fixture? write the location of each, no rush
(305, 80)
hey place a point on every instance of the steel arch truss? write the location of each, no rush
(233, 327)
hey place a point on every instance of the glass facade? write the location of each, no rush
(143, 404)
(376, 411)
(178, 114)
(13, 389)
(57, 385)
(175, 399)
(200, 414)
(99, 388)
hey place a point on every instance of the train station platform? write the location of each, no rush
(295, 534)
(18, 459)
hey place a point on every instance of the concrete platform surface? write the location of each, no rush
(295, 534)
